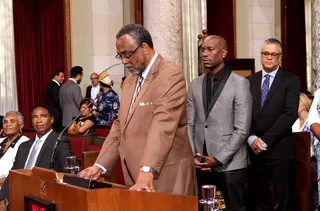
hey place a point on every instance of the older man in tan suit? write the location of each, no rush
(150, 136)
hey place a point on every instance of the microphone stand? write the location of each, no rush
(54, 152)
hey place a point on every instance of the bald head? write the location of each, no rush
(213, 51)
(94, 77)
(221, 42)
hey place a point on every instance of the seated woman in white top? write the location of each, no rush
(301, 125)
(12, 126)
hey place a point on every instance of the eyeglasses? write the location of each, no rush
(127, 55)
(94, 78)
(265, 54)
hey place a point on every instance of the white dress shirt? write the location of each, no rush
(56, 82)
(314, 113)
(94, 91)
(43, 138)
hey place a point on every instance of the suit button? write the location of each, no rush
(206, 126)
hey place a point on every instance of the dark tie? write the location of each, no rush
(265, 89)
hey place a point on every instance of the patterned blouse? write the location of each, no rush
(107, 107)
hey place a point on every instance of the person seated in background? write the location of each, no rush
(1, 127)
(108, 104)
(12, 125)
(84, 124)
(301, 125)
(38, 152)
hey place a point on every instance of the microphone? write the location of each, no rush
(54, 152)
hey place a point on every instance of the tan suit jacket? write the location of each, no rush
(154, 133)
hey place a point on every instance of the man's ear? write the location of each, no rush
(52, 119)
(224, 53)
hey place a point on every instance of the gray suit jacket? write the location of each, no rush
(226, 126)
(70, 98)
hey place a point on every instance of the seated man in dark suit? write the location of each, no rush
(38, 152)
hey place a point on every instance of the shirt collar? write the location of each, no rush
(272, 74)
(56, 82)
(44, 137)
(73, 80)
(218, 75)
(146, 71)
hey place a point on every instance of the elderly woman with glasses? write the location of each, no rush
(12, 128)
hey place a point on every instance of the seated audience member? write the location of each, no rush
(12, 126)
(1, 127)
(301, 125)
(108, 104)
(38, 151)
(84, 124)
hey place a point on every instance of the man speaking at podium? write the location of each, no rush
(150, 136)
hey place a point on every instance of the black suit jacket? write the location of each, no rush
(88, 92)
(43, 160)
(272, 123)
(52, 100)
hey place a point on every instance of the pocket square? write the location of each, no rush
(145, 104)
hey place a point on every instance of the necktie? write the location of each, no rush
(138, 89)
(33, 155)
(265, 89)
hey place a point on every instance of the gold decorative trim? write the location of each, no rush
(68, 36)
(234, 8)
(138, 10)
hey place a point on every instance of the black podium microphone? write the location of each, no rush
(53, 155)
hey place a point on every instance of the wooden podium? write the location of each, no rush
(43, 184)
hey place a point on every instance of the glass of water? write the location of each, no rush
(71, 166)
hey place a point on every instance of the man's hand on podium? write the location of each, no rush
(92, 173)
(3, 205)
(144, 182)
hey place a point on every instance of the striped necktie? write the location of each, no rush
(138, 89)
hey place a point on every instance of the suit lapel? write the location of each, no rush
(144, 88)
(256, 91)
(45, 145)
(24, 149)
(204, 92)
(219, 90)
(276, 82)
(126, 101)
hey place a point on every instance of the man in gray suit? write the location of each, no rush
(70, 95)
(219, 116)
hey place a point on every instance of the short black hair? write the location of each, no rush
(76, 70)
(57, 72)
(137, 32)
(86, 101)
(48, 108)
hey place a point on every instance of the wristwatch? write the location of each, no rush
(149, 169)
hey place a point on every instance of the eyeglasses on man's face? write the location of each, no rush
(266, 54)
(127, 55)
